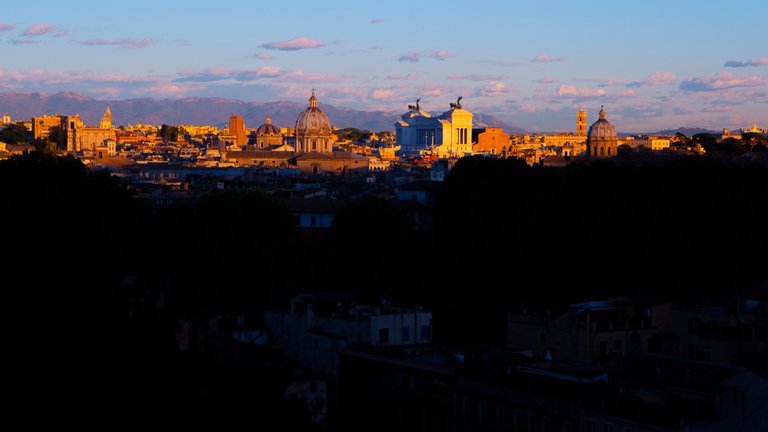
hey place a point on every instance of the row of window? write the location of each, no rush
(521, 421)
(425, 334)
(530, 422)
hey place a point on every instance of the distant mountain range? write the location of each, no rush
(689, 131)
(201, 111)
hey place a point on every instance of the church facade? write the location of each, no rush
(87, 138)
(314, 146)
(267, 135)
(602, 141)
(313, 130)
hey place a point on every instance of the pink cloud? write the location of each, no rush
(5, 27)
(122, 43)
(543, 58)
(573, 91)
(414, 56)
(39, 30)
(356, 93)
(295, 44)
(313, 77)
(627, 93)
(493, 89)
(717, 109)
(165, 89)
(382, 94)
(547, 80)
(431, 90)
(108, 92)
(408, 77)
(658, 78)
(477, 77)
(760, 61)
(610, 82)
(263, 56)
(264, 72)
(721, 81)
(377, 21)
(24, 41)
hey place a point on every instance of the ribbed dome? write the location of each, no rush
(267, 128)
(313, 118)
(602, 129)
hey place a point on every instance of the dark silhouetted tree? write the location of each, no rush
(14, 133)
(706, 139)
(58, 136)
(624, 150)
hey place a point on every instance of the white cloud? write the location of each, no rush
(658, 78)
(414, 56)
(122, 43)
(573, 91)
(721, 81)
(543, 58)
(493, 89)
(383, 94)
(294, 44)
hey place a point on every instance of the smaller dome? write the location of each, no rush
(267, 128)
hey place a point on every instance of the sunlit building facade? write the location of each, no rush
(449, 135)
(601, 139)
(313, 130)
(87, 138)
(237, 128)
(268, 135)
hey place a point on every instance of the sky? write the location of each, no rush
(653, 64)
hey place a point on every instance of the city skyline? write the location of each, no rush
(654, 65)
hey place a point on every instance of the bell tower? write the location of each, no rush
(581, 122)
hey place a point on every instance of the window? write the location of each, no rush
(313, 220)
(426, 333)
(499, 417)
(532, 422)
(464, 405)
(314, 145)
(591, 426)
(384, 335)
(567, 427)
(481, 413)
(546, 424)
(607, 427)
(406, 334)
(518, 420)
(693, 326)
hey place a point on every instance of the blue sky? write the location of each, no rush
(653, 64)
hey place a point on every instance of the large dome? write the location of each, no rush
(313, 118)
(602, 129)
(267, 128)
